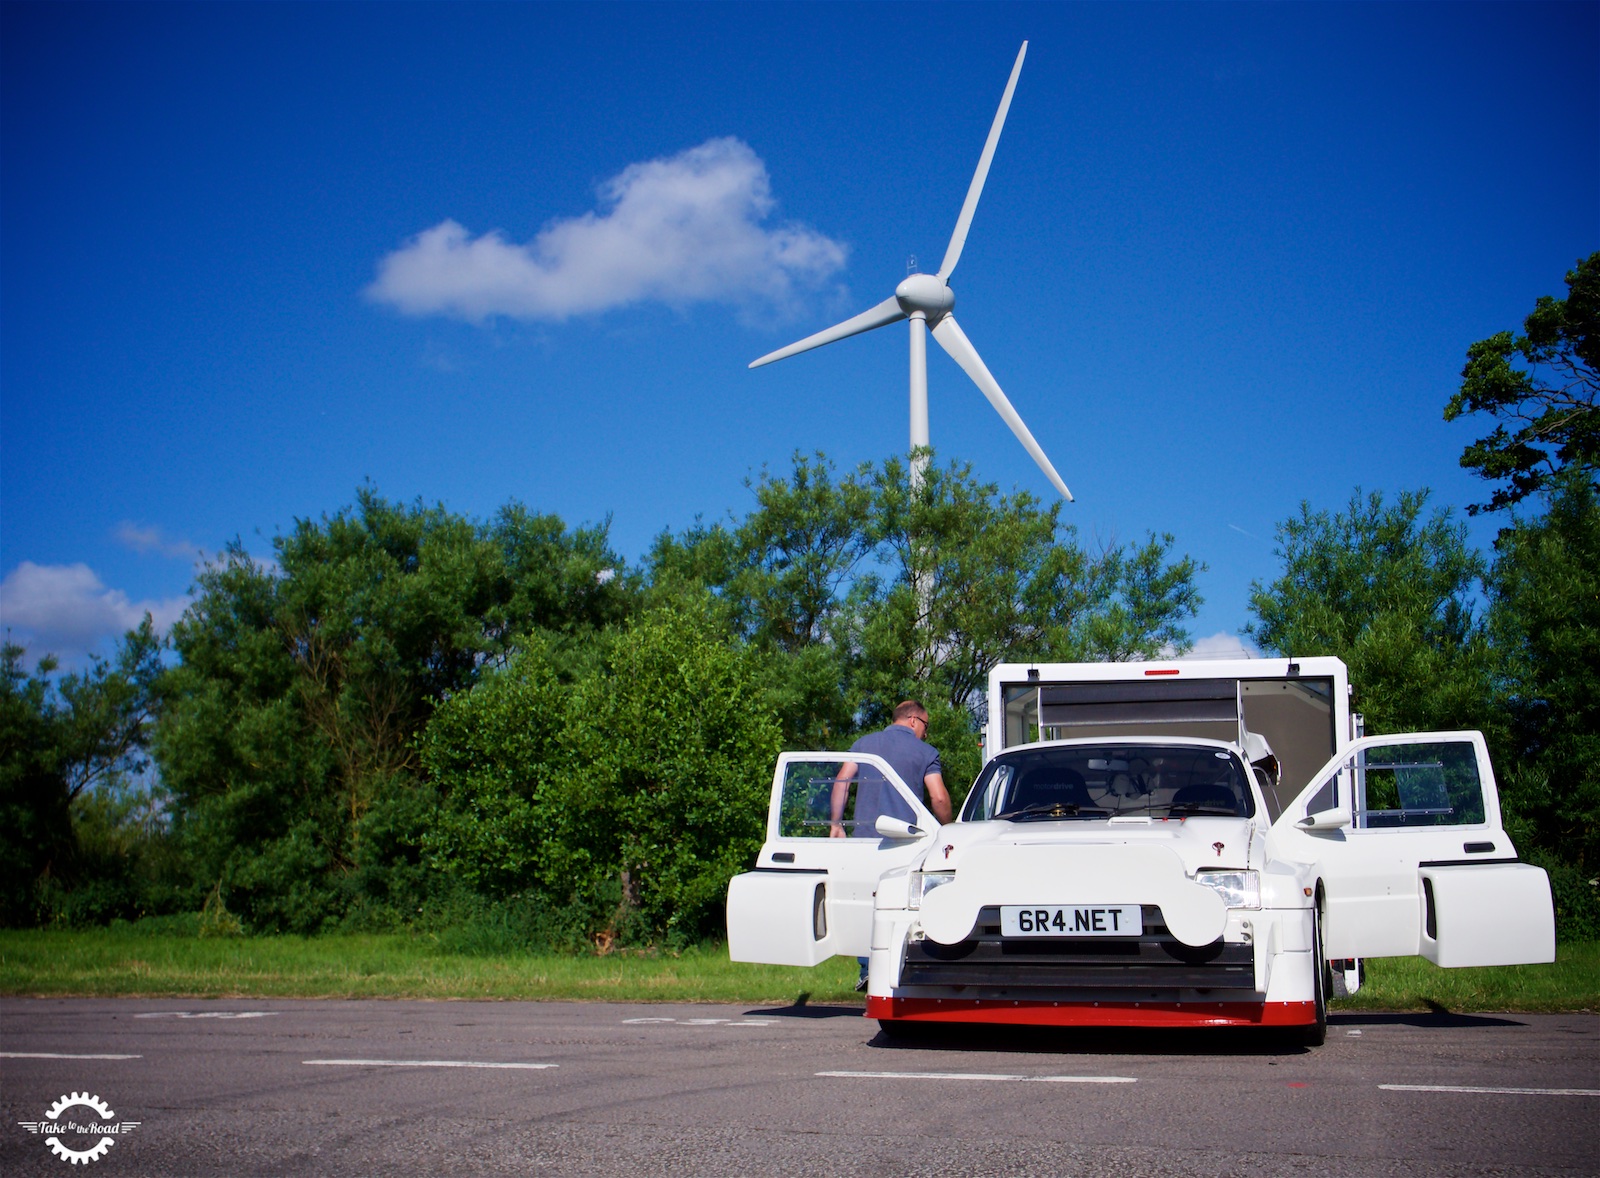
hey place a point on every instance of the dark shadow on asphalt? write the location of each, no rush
(802, 1008)
(1436, 1019)
(1229, 1041)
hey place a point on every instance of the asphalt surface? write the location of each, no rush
(332, 1088)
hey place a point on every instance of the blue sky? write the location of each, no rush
(1229, 258)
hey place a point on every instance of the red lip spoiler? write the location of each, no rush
(1034, 1013)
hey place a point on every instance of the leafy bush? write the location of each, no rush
(1577, 900)
(676, 750)
(493, 754)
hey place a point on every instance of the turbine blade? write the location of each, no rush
(885, 312)
(954, 341)
(958, 239)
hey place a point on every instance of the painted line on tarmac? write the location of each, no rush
(423, 1063)
(208, 1014)
(59, 1055)
(703, 1022)
(1490, 1091)
(984, 1076)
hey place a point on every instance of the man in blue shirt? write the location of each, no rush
(902, 744)
(917, 762)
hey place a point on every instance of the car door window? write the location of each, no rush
(809, 783)
(1418, 785)
(805, 810)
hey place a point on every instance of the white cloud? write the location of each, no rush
(1222, 645)
(688, 228)
(152, 539)
(65, 610)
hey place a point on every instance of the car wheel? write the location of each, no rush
(1336, 985)
(1315, 1034)
(899, 1030)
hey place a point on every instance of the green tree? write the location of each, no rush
(565, 586)
(1391, 593)
(860, 594)
(1543, 593)
(799, 551)
(672, 769)
(407, 705)
(35, 813)
(290, 737)
(968, 578)
(494, 754)
(972, 578)
(250, 782)
(1550, 406)
(70, 746)
(779, 580)
(1545, 618)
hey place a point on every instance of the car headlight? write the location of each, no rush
(1238, 889)
(923, 882)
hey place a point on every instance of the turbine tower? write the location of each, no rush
(928, 302)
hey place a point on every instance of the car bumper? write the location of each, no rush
(1025, 1012)
(1260, 974)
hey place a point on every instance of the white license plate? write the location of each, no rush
(1071, 920)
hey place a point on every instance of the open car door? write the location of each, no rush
(1406, 839)
(810, 895)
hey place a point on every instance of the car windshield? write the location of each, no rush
(1076, 782)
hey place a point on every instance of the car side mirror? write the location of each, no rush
(896, 828)
(1335, 819)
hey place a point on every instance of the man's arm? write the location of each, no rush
(938, 796)
(841, 795)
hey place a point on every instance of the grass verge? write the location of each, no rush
(129, 963)
(1410, 983)
(116, 963)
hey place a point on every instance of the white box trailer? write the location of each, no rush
(1300, 708)
(1174, 843)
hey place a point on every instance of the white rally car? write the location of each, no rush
(1145, 881)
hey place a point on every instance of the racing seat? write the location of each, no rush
(1207, 795)
(1053, 787)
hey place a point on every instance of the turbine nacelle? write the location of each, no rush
(927, 293)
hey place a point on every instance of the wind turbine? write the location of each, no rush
(928, 302)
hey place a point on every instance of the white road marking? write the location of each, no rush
(703, 1022)
(59, 1055)
(983, 1076)
(208, 1014)
(1490, 1091)
(424, 1063)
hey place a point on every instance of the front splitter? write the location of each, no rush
(1023, 1012)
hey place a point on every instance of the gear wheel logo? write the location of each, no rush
(102, 1124)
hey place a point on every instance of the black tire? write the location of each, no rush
(905, 1031)
(1316, 1034)
(1337, 987)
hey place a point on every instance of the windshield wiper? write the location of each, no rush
(1040, 810)
(1191, 809)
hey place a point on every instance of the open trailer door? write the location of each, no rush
(811, 893)
(1406, 836)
